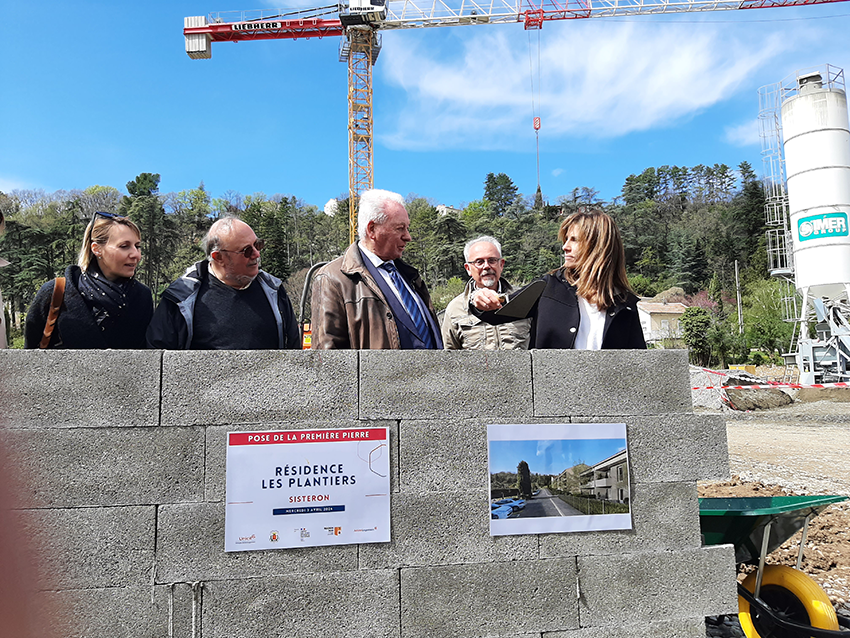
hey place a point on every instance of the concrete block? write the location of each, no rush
(443, 455)
(92, 547)
(495, 599)
(109, 466)
(678, 447)
(79, 388)
(257, 386)
(665, 516)
(444, 528)
(582, 382)
(343, 605)
(216, 448)
(678, 628)
(200, 526)
(115, 612)
(673, 447)
(639, 588)
(416, 384)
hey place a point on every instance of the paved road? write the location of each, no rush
(544, 504)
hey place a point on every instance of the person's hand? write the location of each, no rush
(486, 299)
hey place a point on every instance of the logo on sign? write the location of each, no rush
(274, 536)
(820, 226)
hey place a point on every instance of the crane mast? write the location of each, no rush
(360, 20)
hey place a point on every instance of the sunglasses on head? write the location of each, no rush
(248, 251)
(107, 215)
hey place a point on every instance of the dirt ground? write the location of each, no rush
(799, 449)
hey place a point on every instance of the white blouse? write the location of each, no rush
(591, 326)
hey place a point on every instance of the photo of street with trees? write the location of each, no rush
(562, 477)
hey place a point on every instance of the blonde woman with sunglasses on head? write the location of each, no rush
(103, 306)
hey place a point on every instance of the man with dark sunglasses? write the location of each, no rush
(226, 302)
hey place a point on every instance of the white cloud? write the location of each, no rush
(557, 172)
(543, 447)
(746, 134)
(331, 207)
(600, 81)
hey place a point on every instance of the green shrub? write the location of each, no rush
(756, 359)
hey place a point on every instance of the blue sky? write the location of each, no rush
(96, 92)
(551, 457)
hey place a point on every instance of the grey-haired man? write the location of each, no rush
(462, 330)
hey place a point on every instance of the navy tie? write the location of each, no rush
(410, 304)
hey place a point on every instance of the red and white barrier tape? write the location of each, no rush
(795, 386)
(720, 374)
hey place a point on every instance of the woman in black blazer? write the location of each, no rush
(587, 303)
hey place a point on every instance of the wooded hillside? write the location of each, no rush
(682, 227)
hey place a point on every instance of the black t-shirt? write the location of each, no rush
(230, 319)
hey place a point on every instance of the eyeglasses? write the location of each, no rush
(248, 251)
(490, 261)
(108, 215)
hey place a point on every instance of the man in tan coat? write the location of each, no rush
(369, 299)
(462, 330)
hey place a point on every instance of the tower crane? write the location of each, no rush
(360, 21)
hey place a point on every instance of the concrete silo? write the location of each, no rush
(812, 210)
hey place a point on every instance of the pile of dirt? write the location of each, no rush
(826, 555)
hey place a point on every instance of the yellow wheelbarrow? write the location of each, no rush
(775, 601)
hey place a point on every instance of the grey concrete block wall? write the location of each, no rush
(111, 546)
(489, 599)
(79, 389)
(408, 386)
(361, 603)
(125, 488)
(610, 382)
(234, 387)
(109, 466)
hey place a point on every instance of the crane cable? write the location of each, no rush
(535, 95)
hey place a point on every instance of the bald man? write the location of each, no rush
(226, 302)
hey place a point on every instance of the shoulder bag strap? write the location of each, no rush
(53, 315)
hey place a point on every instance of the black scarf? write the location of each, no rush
(107, 299)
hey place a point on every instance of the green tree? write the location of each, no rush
(159, 233)
(441, 295)
(500, 191)
(695, 324)
(538, 199)
(523, 481)
(763, 317)
(688, 262)
(269, 220)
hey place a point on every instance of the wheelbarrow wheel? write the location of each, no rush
(791, 594)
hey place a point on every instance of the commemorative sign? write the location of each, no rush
(307, 488)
